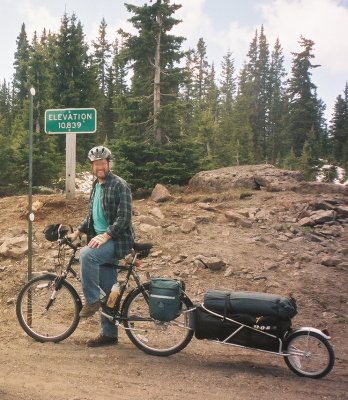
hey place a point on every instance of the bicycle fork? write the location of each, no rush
(57, 286)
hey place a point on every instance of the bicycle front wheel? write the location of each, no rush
(156, 337)
(310, 354)
(47, 314)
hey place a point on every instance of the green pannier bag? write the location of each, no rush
(164, 301)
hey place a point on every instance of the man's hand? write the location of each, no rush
(99, 240)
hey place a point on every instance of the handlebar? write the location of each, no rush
(69, 243)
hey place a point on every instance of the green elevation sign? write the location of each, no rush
(71, 120)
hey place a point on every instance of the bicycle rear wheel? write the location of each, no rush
(156, 337)
(310, 354)
(45, 314)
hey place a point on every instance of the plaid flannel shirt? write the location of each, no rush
(117, 207)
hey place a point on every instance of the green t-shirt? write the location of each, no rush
(99, 221)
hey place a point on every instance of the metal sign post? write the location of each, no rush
(30, 200)
(30, 206)
(70, 121)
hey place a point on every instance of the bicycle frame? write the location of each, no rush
(113, 315)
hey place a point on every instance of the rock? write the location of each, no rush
(213, 263)
(270, 265)
(160, 194)
(238, 219)
(344, 251)
(260, 278)
(187, 226)
(198, 263)
(322, 216)
(228, 272)
(172, 229)
(243, 176)
(206, 206)
(329, 261)
(314, 238)
(144, 219)
(150, 229)
(201, 219)
(306, 221)
(318, 217)
(156, 212)
(342, 211)
(16, 247)
(156, 253)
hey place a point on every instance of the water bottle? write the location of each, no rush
(115, 290)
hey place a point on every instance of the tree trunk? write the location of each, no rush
(157, 83)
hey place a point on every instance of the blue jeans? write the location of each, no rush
(94, 275)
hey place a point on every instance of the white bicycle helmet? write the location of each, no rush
(99, 153)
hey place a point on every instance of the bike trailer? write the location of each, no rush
(254, 303)
(264, 333)
(164, 301)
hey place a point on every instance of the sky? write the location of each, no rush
(225, 25)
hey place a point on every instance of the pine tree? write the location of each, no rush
(75, 83)
(156, 77)
(308, 162)
(5, 110)
(304, 107)
(101, 67)
(228, 85)
(200, 71)
(339, 128)
(118, 95)
(20, 77)
(254, 87)
(47, 163)
(261, 128)
(201, 98)
(101, 56)
(277, 142)
(223, 149)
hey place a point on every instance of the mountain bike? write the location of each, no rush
(48, 306)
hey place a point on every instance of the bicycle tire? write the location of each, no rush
(311, 355)
(57, 322)
(155, 337)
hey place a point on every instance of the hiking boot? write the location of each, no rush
(102, 340)
(89, 309)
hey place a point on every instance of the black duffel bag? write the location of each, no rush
(257, 332)
(254, 303)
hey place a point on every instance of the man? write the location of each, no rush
(109, 237)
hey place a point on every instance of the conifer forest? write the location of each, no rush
(162, 109)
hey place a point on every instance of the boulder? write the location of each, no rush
(244, 176)
(160, 194)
